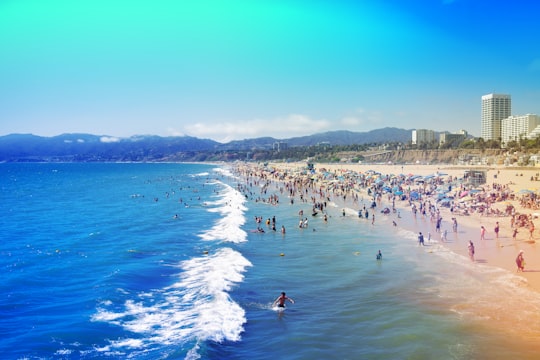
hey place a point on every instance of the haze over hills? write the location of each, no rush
(87, 147)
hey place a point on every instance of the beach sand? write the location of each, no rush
(491, 251)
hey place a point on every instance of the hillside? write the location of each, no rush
(87, 147)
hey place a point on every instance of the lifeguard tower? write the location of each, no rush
(475, 177)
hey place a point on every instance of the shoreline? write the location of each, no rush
(492, 251)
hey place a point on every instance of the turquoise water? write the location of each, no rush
(163, 261)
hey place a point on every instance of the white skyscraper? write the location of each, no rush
(495, 107)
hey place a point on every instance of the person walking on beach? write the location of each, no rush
(482, 233)
(531, 230)
(454, 225)
(280, 301)
(514, 234)
(444, 235)
(420, 239)
(471, 250)
(497, 229)
(520, 262)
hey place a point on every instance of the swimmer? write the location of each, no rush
(280, 301)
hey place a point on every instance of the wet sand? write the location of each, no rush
(500, 252)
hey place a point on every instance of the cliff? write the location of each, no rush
(461, 156)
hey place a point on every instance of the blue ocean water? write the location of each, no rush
(163, 261)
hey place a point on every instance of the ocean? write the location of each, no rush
(164, 261)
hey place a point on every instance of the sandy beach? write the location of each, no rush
(504, 187)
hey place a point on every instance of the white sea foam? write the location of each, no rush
(224, 171)
(196, 308)
(231, 207)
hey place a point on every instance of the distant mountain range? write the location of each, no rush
(87, 147)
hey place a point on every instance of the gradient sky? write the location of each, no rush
(229, 70)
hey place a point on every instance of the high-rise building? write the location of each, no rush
(513, 128)
(495, 107)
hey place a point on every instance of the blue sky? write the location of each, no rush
(229, 70)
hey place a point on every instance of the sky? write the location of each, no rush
(232, 70)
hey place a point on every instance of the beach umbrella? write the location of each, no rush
(525, 191)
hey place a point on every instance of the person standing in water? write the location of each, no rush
(280, 301)
(471, 250)
(520, 261)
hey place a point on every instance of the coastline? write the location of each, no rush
(492, 251)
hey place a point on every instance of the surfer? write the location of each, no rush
(280, 301)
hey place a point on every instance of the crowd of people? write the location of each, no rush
(425, 196)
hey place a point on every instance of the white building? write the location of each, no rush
(423, 136)
(453, 139)
(521, 126)
(495, 107)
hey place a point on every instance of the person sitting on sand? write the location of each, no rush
(280, 301)
(520, 261)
